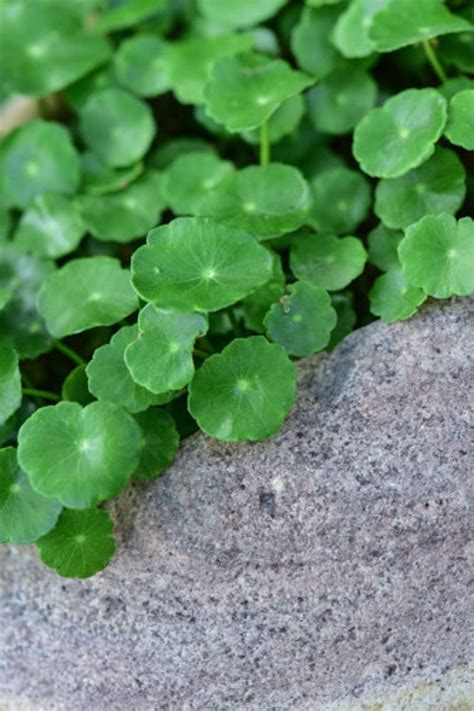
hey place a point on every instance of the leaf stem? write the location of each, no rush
(264, 144)
(434, 61)
(44, 394)
(69, 352)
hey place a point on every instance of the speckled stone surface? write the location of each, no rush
(323, 567)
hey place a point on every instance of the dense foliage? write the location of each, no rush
(212, 189)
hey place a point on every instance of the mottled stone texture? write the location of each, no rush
(325, 565)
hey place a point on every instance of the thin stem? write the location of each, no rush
(200, 353)
(69, 352)
(264, 144)
(434, 61)
(43, 394)
(235, 324)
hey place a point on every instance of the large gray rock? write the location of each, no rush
(323, 569)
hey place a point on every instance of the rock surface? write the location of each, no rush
(324, 569)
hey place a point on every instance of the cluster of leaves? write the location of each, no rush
(309, 166)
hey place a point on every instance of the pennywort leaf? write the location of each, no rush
(10, 383)
(393, 298)
(460, 127)
(327, 261)
(160, 441)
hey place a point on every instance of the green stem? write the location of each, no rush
(43, 394)
(434, 61)
(69, 353)
(264, 144)
(235, 324)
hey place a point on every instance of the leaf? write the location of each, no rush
(127, 14)
(10, 383)
(125, 215)
(109, 378)
(266, 201)
(392, 140)
(88, 292)
(351, 33)
(343, 303)
(190, 177)
(341, 201)
(458, 50)
(245, 13)
(188, 63)
(140, 67)
(44, 46)
(160, 359)
(454, 85)
(401, 22)
(439, 185)
(383, 247)
(195, 264)
(100, 179)
(327, 261)
(24, 514)
(243, 92)
(460, 127)
(256, 305)
(21, 326)
(38, 158)
(311, 41)
(282, 122)
(245, 392)
(159, 444)
(393, 298)
(132, 132)
(75, 387)
(80, 456)
(341, 100)
(302, 321)
(51, 227)
(81, 545)
(437, 255)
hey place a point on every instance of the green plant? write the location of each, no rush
(196, 208)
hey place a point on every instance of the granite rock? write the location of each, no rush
(324, 569)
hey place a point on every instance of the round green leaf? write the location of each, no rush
(117, 126)
(75, 387)
(458, 50)
(383, 247)
(125, 215)
(127, 14)
(327, 261)
(244, 13)
(460, 128)
(195, 264)
(284, 121)
(351, 33)
(341, 200)
(80, 456)
(39, 158)
(51, 227)
(392, 140)
(189, 179)
(311, 41)
(437, 254)
(88, 292)
(109, 378)
(302, 320)
(44, 46)
(402, 22)
(163, 156)
(81, 545)
(393, 298)
(341, 100)
(266, 201)
(188, 63)
(160, 359)
(245, 392)
(160, 443)
(454, 85)
(243, 92)
(21, 326)
(439, 185)
(10, 383)
(256, 305)
(139, 65)
(100, 179)
(24, 514)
